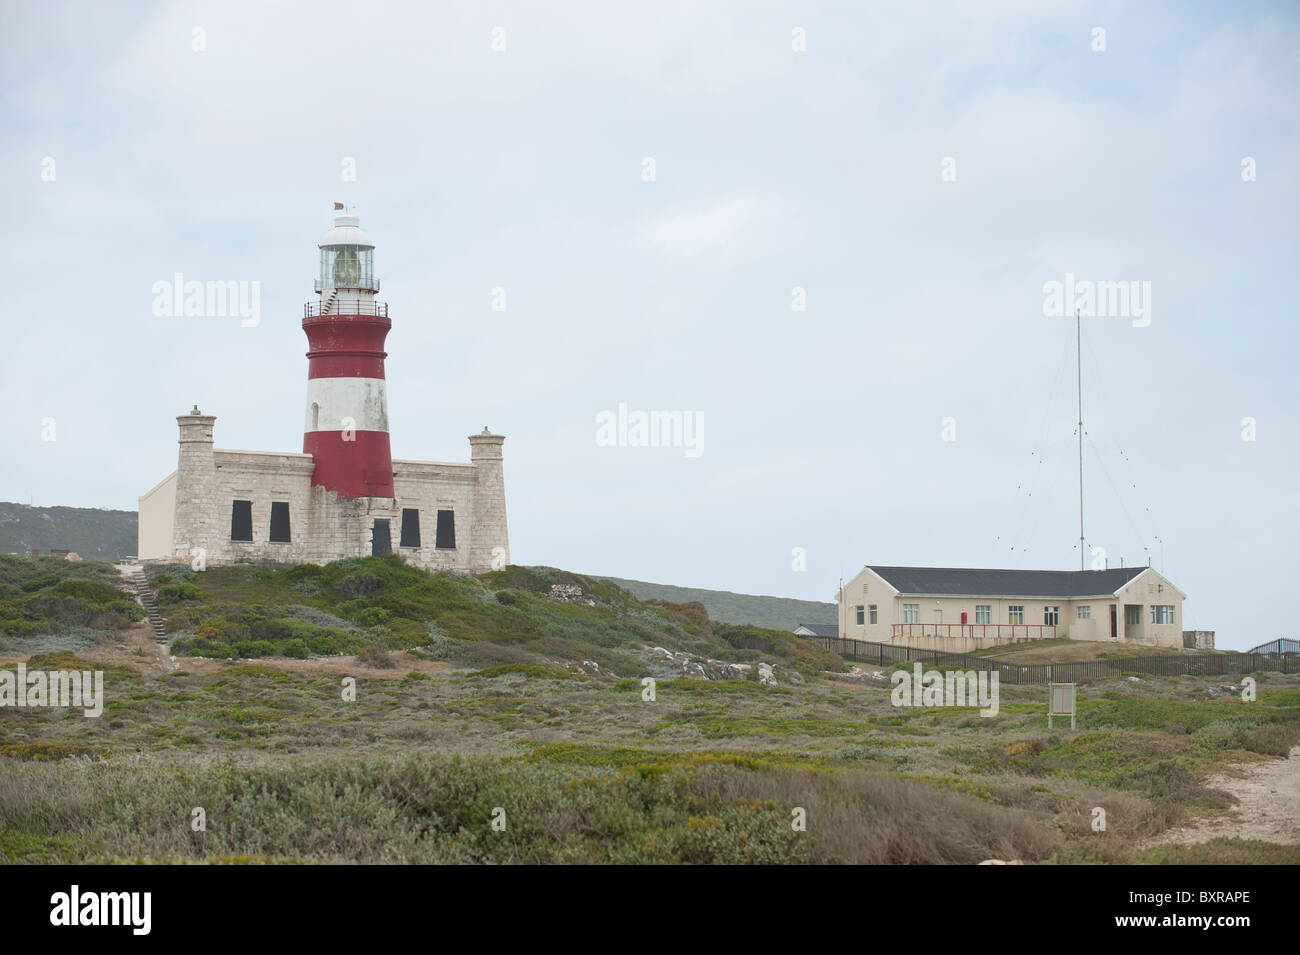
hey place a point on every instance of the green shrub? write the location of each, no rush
(1275, 739)
(374, 617)
(526, 670)
(39, 583)
(53, 602)
(361, 585)
(175, 593)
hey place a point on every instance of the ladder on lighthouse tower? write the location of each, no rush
(329, 303)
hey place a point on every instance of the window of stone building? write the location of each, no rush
(1051, 616)
(446, 533)
(1016, 614)
(1084, 612)
(911, 613)
(983, 613)
(241, 521)
(279, 522)
(861, 615)
(872, 611)
(410, 527)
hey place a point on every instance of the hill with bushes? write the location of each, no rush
(111, 535)
(53, 596)
(88, 531)
(519, 615)
(776, 613)
(524, 689)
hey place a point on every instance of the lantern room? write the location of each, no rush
(347, 257)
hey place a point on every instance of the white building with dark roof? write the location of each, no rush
(816, 630)
(960, 609)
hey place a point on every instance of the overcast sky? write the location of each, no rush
(920, 171)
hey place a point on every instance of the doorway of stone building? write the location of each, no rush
(381, 539)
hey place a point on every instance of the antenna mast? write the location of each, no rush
(1078, 352)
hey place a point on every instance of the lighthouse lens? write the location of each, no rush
(347, 268)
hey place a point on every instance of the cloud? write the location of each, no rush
(739, 226)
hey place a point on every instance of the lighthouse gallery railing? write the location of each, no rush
(378, 309)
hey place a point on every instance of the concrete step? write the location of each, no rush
(146, 599)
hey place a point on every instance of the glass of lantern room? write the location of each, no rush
(347, 266)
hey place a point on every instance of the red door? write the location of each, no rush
(963, 618)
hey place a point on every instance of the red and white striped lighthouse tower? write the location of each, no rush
(347, 405)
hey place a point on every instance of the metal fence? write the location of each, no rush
(1278, 647)
(1196, 664)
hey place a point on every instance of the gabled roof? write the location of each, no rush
(974, 582)
(820, 629)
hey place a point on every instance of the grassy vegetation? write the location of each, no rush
(1064, 650)
(587, 771)
(45, 595)
(503, 713)
(504, 617)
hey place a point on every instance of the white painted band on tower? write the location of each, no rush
(339, 404)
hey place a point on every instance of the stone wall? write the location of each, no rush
(324, 528)
(490, 540)
(431, 486)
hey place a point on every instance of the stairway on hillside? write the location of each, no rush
(143, 594)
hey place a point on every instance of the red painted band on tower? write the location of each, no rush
(360, 467)
(345, 346)
(346, 364)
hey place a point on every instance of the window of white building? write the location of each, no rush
(1162, 613)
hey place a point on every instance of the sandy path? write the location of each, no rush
(1268, 807)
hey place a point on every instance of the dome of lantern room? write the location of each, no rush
(347, 231)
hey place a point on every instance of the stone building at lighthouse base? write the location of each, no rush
(224, 507)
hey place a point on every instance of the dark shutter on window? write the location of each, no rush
(410, 527)
(446, 530)
(241, 521)
(279, 522)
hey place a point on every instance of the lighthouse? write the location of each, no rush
(343, 496)
(346, 430)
